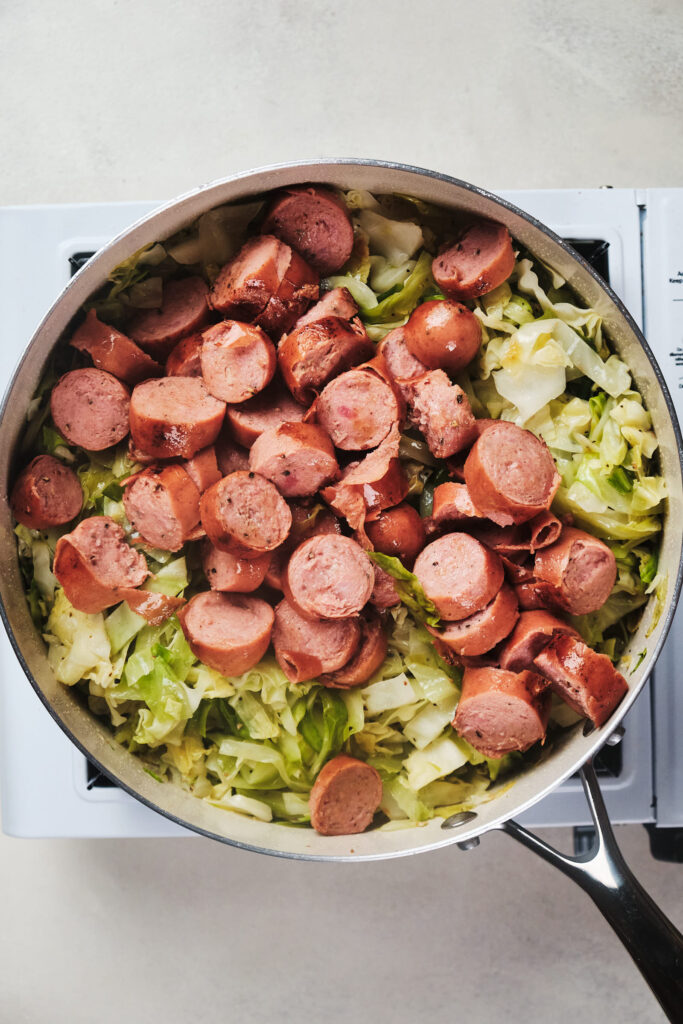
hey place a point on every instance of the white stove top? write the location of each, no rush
(44, 778)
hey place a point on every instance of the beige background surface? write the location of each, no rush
(115, 100)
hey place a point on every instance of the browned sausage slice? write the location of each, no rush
(183, 310)
(586, 680)
(541, 531)
(184, 360)
(90, 408)
(579, 569)
(459, 575)
(500, 711)
(306, 650)
(47, 493)
(357, 409)
(531, 596)
(228, 632)
(114, 352)
(225, 571)
(306, 522)
(238, 360)
(297, 457)
(163, 506)
(338, 302)
(266, 410)
(345, 797)
(477, 263)
(369, 486)
(371, 652)
(329, 577)
(174, 416)
(245, 513)
(452, 503)
(316, 223)
(230, 456)
(510, 474)
(266, 283)
(533, 631)
(443, 334)
(95, 565)
(442, 412)
(312, 355)
(398, 532)
(478, 633)
(401, 364)
(203, 469)
(384, 593)
(156, 608)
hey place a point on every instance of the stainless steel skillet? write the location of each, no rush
(654, 944)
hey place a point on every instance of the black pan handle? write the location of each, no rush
(654, 943)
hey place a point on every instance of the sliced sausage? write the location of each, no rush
(228, 632)
(90, 408)
(384, 593)
(306, 522)
(47, 493)
(114, 352)
(531, 596)
(522, 539)
(459, 575)
(244, 513)
(238, 360)
(478, 633)
(518, 568)
(500, 711)
(442, 413)
(399, 532)
(95, 565)
(297, 457)
(345, 797)
(371, 485)
(452, 503)
(184, 360)
(510, 474)
(153, 607)
(183, 310)
(174, 416)
(357, 409)
(401, 364)
(312, 355)
(316, 223)
(230, 456)
(266, 283)
(579, 569)
(443, 334)
(338, 302)
(268, 409)
(586, 680)
(371, 652)
(306, 650)
(478, 262)
(533, 631)
(225, 571)
(329, 577)
(203, 469)
(163, 506)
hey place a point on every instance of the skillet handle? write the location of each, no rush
(654, 943)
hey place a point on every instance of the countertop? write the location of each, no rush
(120, 100)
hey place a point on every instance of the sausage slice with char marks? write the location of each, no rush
(338, 302)
(442, 412)
(245, 514)
(510, 474)
(357, 409)
(306, 650)
(478, 262)
(370, 654)
(228, 632)
(401, 364)
(579, 571)
(329, 577)
(90, 408)
(95, 565)
(114, 352)
(312, 355)
(534, 630)
(478, 633)
(184, 360)
(586, 680)
(266, 410)
(500, 712)
(228, 572)
(238, 360)
(163, 506)
(183, 310)
(345, 797)
(459, 575)
(443, 334)
(174, 416)
(316, 223)
(47, 493)
(297, 457)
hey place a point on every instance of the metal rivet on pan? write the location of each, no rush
(615, 737)
(461, 818)
(588, 728)
(469, 844)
